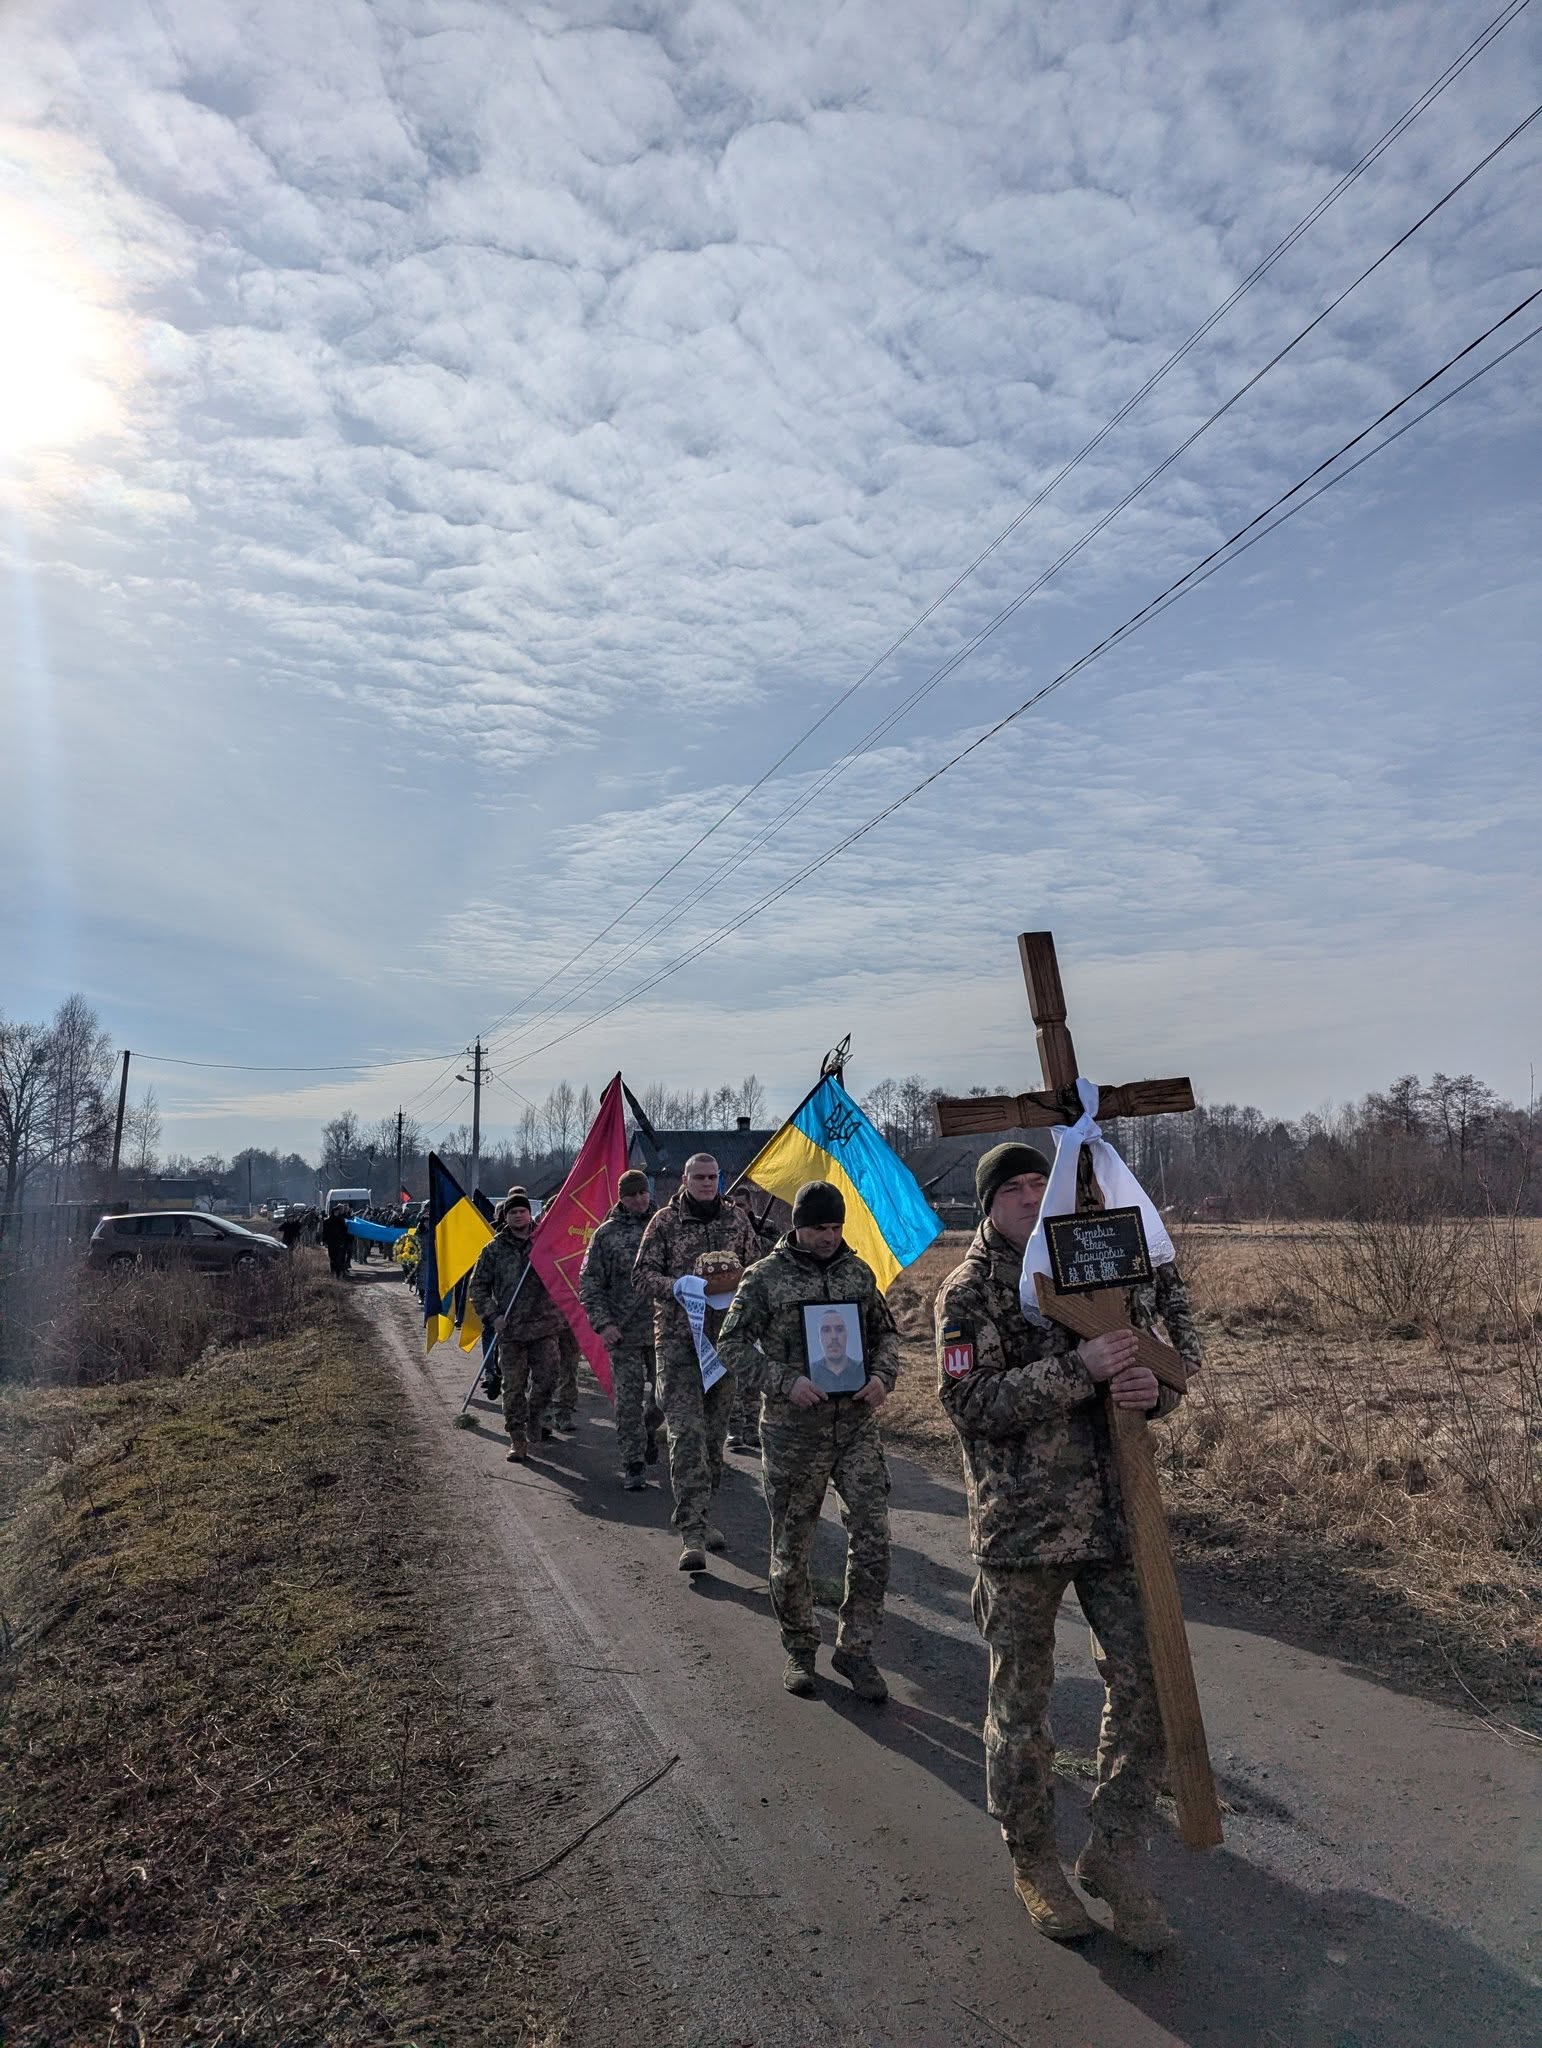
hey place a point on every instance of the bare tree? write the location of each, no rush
(142, 1133)
(586, 1107)
(342, 1149)
(80, 1063)
(882, 1105)
(722, 1113)
(915, 1109)
(1402, 1106)
(752, 1099)
(560, 1111)
(26, 1105)
(1461, 1106)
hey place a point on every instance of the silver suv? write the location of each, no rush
(186, 1237)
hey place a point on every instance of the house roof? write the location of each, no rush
(733, 1150)
(945, 1167)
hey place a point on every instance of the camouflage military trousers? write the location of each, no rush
(529, 1375)
(697, 1421)
(840, 1447)
(1015, 1612)
(631, 1365)
(744, 1419)
(565, 1395)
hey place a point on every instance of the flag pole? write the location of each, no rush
(797, 1110)
(481, 1369)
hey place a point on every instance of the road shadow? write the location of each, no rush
(1264, 1962)
(1269, 1962)
(918, 1492)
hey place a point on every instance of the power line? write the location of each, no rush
(165, 1059)
(830, 775)
(1228, 551)
(1454, 70)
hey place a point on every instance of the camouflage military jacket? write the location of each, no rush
(1038, 1463)
(672, 1243)
(762, 1335)
(493, 1280)
(606, 1287)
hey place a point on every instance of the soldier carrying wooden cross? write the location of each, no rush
(1049, 1390)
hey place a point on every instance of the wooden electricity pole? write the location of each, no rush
(117, 1129)
(475, 1077)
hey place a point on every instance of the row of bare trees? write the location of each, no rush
(537, 1151)
(1450, 1144)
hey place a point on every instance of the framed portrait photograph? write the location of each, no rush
(832, 1344)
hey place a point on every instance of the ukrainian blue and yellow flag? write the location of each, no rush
(452, 1235)
(889, 1222)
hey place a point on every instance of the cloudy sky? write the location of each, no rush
(451, 450)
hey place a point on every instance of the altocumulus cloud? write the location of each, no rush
(524, 419)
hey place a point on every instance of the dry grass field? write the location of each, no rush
(245, 1796)
(1360, 1457)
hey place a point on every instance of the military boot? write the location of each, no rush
(692, 1556)
(1110, 1869)
(1041, 1884)
(716, 1540)
(861, 1674)
(798, 1676)
(635, 1478)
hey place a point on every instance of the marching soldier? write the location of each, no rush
(492, 1379)
(812, 1440)
(622, 1316)
(696, 1220)
(526, 1325)
(1044, 1514)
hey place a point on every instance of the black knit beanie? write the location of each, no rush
(817, 1202)
(1001, 1164)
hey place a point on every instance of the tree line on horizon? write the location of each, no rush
(1451, 1141)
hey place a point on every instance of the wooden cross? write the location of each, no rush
(1090, 1315)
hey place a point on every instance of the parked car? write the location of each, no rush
(210, 1244)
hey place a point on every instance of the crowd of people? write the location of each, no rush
(720, 1335)
(309, 1226)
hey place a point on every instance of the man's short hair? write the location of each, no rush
(699, 1159)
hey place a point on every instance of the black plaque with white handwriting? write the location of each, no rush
(1102, 1248)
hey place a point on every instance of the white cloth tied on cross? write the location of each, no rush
(690, 1290)
(1118, 1186)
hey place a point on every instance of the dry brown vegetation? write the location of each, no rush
(62, 1325)
(1360, 1456)
(244, 1799)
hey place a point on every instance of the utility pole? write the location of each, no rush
(476, 1078)
(117, 1134)
(398, 1195)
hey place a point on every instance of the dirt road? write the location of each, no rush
(817, 1872)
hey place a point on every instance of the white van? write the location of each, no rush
(354, 1200)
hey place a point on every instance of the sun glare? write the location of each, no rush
(60, 358)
